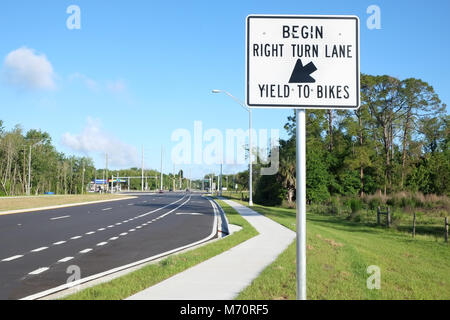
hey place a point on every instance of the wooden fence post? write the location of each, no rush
(446, 229)
(388, 217)
(414, 226)
(378, 215)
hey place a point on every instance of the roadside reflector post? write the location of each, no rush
(301, 203)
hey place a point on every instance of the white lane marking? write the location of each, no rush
(138, 227)
(114, 238)
(86, 250)
(130, 204)
(131, 230)
(62, 217)
(58, 243)
(123, 234)
(106, 209)
(90, 232)
(40, 270)
(118, 223)
(189, 213)
(111, 226)
(65, 259)
(101, 229)
(76, 237)
(39, 249)
(102, 243)
(12, 258)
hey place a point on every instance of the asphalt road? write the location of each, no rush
(39, 249)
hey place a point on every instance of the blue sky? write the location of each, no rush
(138, 70)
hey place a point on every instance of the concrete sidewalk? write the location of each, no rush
(224, 276)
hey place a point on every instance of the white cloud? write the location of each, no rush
(88, 82)
(117, 86)
(25, 69)
(94, 140)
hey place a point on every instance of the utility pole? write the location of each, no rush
(106, 175)
(161, 168)
(220, 186)
(82, 179)
(142, 170)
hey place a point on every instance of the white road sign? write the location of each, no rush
(303, 61)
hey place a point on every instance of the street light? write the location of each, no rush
(29, 166)
(242, 104)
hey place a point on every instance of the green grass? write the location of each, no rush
(152, 274)
(7, 204)
(338, 254)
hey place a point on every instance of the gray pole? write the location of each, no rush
(29, 173)
(220, 188)
(301, 203)
(161, 168)
(250, 177)
(142, 170)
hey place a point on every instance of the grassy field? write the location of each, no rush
(338, 254)
(45, 201)
(152, 274)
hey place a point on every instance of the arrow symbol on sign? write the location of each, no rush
(301, 74)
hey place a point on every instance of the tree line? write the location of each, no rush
(398, 140)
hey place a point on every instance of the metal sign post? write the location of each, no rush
(302, 62)
(301, 203)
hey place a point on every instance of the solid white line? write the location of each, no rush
(62, 217)
(37, 271)
(58, 243)
(86, 250)
(65, 259)
(39, 249)
(101, 243)
(12, 258)
(76, 237)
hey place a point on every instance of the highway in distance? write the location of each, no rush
(42, 250)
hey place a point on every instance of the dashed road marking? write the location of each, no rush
(12, 258)
(38, 271)
(86, 250)
(65, 259)
(106, 209)
(62, 217)
(90, 232)
(76, 237)
(39, 249)
(101, 243)
(58, 243)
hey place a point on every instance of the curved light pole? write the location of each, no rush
(250, 171)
